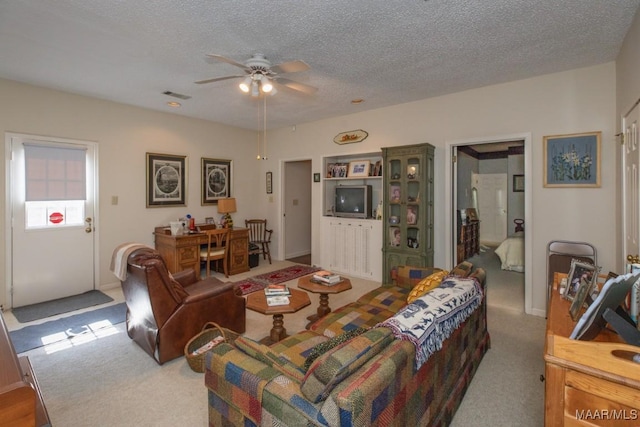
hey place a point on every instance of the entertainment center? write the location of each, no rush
(352, 243)
(378, 211)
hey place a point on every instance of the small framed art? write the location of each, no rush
(269, 182)
(584, 290)
(216, 180)
(580, 272)
(518, 183)
(166, 183)
(359, 168)
(316, 177)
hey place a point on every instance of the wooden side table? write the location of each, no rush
(307, 284)
(257, 301)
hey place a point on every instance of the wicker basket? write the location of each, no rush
(209, 332)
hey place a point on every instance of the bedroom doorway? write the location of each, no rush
(509, 155)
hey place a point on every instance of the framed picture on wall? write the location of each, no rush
(572, 160)
(518, 183)
(216, 180)
(166, 180)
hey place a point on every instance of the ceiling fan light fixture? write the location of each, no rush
(267, 86)
(254, 89)
(245, 84)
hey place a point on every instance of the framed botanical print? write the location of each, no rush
(572, 160)
(166, 180)
(216, 180)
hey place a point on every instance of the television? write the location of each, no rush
(353, 201)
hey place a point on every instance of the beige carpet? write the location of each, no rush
(106, 379)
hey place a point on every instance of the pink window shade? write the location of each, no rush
(54, 172)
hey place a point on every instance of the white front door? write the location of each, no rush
(52, 243)
(492, 206)
(631, 160)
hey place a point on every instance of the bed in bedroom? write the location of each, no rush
(511, 253)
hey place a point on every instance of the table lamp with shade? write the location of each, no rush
(227, 206)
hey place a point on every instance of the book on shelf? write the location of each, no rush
(327, 277)
(270, 290)
(277, 300)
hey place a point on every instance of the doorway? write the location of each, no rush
(51, 207)
(459, 170)
(296, 203)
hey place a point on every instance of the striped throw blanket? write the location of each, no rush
(429, 320)
(119, 258)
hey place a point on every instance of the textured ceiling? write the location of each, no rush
(384, 51)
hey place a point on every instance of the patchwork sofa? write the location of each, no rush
(363, 374)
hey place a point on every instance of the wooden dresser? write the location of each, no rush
(21, 402)
(469, 240)
(586, 384)
(183, 252)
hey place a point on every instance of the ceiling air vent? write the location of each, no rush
(176, 95)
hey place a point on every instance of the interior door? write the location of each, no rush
(52, 240)
(492, 206)
(631, 160)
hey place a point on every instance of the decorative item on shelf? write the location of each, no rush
(359, 168)
(350, 137)
(412, 171)
(227, 206)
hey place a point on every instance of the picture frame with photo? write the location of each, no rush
(359, 169)
(394, 194)
(394, 236)
(580, 272)
(216, 180)
(166, 180)
(585, 287)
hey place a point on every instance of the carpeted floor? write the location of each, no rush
(41, 310)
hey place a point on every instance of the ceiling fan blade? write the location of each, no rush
(227, 60)
(290, 67)
(217, 79)
(301, 87)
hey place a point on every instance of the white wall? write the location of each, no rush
(124, 134)
(579, 100)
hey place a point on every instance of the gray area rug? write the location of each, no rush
(29, 313)
(66, 328)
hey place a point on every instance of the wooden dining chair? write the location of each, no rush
(216, 249)
(260, 236)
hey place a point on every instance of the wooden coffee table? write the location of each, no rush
(307, 284)
(257, 301)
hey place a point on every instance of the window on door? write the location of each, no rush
(55, 184)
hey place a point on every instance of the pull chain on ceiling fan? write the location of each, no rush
(264, 131)
(261, 77)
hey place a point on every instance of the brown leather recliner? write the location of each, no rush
(164, 312)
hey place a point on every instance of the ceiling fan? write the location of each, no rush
(260, 75)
